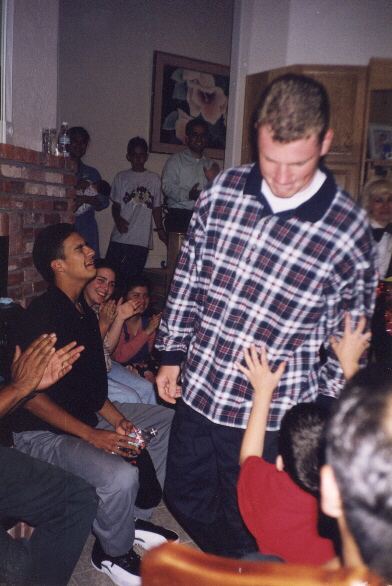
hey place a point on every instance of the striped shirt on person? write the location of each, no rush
(248, 276)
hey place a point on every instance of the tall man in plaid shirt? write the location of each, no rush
(275, 255)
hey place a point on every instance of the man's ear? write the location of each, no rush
(57, 265)
(331, 503)
(327, 141)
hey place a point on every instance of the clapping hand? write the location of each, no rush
(40, 365)
(107, 314)
(60, 364)
(129, 308)
(153, 323)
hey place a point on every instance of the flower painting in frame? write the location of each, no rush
(186, 89)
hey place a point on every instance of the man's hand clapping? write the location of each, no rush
(41, 366)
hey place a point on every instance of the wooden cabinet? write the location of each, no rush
(378, 115)
(354, 102)
(347, 176)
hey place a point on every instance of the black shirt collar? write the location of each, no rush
(57, 292)
(310, 211)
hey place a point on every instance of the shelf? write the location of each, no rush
(379, 162)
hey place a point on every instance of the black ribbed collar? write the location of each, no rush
(310, 211)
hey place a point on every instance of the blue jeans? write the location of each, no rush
(86, 225)
(126, 387)
(115, 480)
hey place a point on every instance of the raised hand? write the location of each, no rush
(351, 346)
(153, 323)
(128, 308)
(60, 364)
(28, 367)
(107, 314)
(258, 372)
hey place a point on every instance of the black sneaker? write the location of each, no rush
(148, 535)
(123, 570)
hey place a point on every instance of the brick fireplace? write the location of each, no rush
(35, 190)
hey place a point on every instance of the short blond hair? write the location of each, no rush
(375, 187)
(294, 106)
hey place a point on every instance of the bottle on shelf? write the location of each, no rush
(63, 140)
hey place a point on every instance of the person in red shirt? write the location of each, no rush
(279, 503)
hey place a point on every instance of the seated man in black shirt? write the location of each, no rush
(60, 506)
(75, 425)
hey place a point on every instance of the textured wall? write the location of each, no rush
(34, 70)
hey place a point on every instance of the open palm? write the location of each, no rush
(60, 364)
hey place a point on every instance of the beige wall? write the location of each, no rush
(34, 70)
(105, 70)
(269, 34)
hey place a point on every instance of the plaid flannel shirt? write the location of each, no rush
(248, 276)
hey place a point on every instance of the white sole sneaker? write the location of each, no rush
(118, 575)
(148, 540)
(148, 535)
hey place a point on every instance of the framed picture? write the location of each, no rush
(184, 89)
(380, 141)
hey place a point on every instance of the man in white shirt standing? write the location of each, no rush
(185, 175)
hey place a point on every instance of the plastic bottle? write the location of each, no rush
(63, 140)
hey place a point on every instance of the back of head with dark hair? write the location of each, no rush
(301, 443)
(137, 141)
(293, 107)
(196, 122)
(79, 131)
(48, 246)
(359, 449)
(103, 263)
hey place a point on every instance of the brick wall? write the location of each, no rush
(35, 190)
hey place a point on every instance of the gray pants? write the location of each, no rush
(115, 480)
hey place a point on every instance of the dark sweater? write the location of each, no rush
(83, 391)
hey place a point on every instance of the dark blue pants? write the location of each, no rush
(86, 225)
(128, 260)
(201, 481)
(59, 505)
